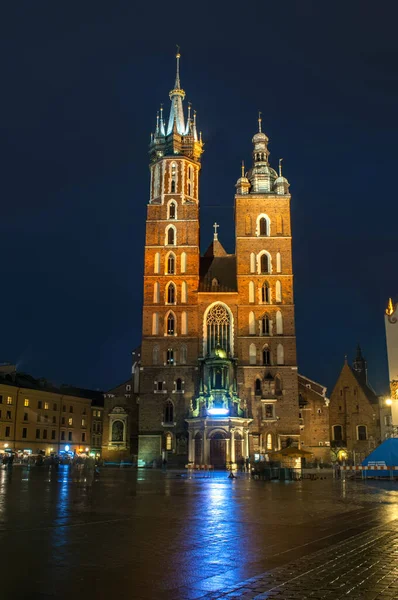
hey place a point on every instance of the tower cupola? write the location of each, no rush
(243, 184)
(261, 175)
(281, 185)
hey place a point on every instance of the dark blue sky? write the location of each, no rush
(80, 86)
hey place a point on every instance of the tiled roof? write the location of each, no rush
(219, 268)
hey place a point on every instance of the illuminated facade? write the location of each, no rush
(218, 376)
(391, 324)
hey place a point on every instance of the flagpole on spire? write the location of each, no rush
(259, 121)
(178, 56)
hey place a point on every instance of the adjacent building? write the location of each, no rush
(354, 413)
(314, 418)
(37, 417)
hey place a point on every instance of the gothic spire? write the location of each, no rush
(177, 95)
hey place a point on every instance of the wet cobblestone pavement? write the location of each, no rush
(151, 535)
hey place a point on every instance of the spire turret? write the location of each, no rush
(179, 138)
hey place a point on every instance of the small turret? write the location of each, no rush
(243, 184)
(281, 185)
(360, 365)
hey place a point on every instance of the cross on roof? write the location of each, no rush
(216, 226)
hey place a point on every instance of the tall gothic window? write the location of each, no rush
(168, 412)
(264, 266)
(265, 293)
(173, 187)
(263, 226)
(169, 441)
(265, 325)
(179, 385)
(266, 356)
(170, 324)
(171, 264)
(183, 354)
(171, 236)
(172, 210)
(171, 294)
(170, 356)
(218, 327)
(269, 441)
(258, 387)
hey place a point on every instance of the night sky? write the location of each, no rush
(80, 86)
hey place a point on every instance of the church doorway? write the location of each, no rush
(198, 449)
(218, 451)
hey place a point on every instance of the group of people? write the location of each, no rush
(244, 464)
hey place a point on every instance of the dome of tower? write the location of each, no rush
(260, 137)
(281, 185)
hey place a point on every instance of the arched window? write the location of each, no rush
(278, 263)
(263, 226)
(171, 293)
(280, 355)
(252, 354)
(278, 385)
(170, 356)
(179, 385)
(168, 441)
(278, 291)
(156, 182)
(269, 441)
(252, 324)
(279, 323)
(172, 210)
(264, 263)
(218, 328)
(170, 264)
(168, 412)
(184, 323)
(117, 431)
(184, 292)
(251, 291)
(257, 388)
(252, 263)
(265, 295)
(155, 324)
(173, 185)
(266, 356)
(170, 236)
(183, 354)
(190, 180)
(155, 355)
(183, 262)
(170, 324)
(362, 434)
(265, 327)
(156, 292)
(156, 266)
(337, 433)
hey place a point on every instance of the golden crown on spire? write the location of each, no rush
(390, 308)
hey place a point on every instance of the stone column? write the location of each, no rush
(205, 449)
(246, 442)
(227, 451)
(191, 446)
(232, 445)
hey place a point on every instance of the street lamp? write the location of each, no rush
(388, 401)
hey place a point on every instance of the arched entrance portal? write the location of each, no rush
(218, 450)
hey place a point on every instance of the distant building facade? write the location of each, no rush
(354, 413)
(36, 417)
(391, 325)
(314, 418)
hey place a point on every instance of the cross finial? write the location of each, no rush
(280, 167)
(243, 168)
(259, 121)
(216, 226)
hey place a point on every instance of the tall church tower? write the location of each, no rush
(171, 276)
(218, 377)
(267, 370)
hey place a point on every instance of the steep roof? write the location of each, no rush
(218, 274)
(365, 387)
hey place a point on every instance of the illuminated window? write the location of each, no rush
(70, 421)
(279, 323)
(83, 422)
(269, 441)
(278, 291)
(46, 406)
(169, 412)
(26, 402)
(218, 328)
(169, 441)
(9, 400)
(99, 413)
(170, 324)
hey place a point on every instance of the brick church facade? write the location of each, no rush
(218, 375)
